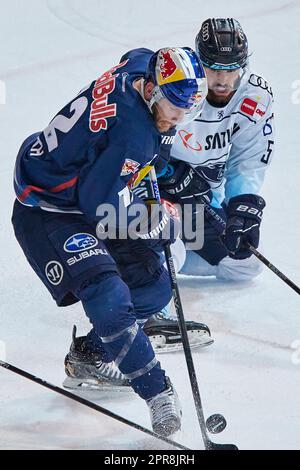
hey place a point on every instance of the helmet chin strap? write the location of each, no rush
(239, 79)
(156, 95)
(142, 93)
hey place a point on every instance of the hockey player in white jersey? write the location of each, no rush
(229, 147)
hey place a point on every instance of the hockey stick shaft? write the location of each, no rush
(186, 347)
(255, 252)
(209, 445)
(88, 403)
(273, 268)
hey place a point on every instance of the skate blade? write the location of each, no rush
(196, 340)
(94, 386)
(168, 427)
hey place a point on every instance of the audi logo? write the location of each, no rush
(205, 32)
(257, 81)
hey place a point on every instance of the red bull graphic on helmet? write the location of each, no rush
(196, 97)
(170, 67)
(167, 66)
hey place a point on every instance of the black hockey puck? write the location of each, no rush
(216, 423)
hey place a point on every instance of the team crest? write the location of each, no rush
(129, 167)
(212, 170)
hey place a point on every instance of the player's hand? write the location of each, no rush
(244, 214)
(182, 184)
(162, 225)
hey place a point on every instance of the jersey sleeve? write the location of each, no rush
(164, 154)
(111, 191)
(252, 150)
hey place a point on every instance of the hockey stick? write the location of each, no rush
(221, 222)
(273, 268)
(209, 210)
(89, 404)
(208, 444)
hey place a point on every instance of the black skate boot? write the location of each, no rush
(165, 336)
(87, 372)
(165, 411)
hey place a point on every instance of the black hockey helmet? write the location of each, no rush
(222, 44)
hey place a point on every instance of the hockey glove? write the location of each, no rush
(244, 214)
(162, 225)
(181, 184)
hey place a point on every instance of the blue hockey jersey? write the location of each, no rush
(92, 147)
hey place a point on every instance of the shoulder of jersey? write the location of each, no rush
(256, 98)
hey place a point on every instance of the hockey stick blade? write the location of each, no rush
(214, 446)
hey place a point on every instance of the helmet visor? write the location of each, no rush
(179, 114)
(223, 81)
(175, 115)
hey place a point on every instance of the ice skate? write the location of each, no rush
(86, 371)
(165, 336)
(165, 411)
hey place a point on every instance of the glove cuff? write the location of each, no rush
(249, 206)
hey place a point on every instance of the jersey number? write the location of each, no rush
(265, 159)
(64, 124)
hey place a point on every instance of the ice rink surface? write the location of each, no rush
(49, 50)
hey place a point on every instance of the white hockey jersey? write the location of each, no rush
(231, 147)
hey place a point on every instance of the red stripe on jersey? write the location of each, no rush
(56, 189)
(28, 190)
(66, 185)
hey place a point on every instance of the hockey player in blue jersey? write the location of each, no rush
(91, 154)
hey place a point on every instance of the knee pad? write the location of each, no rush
(197, 266)
(152, 297)
(239, 270)
(107, 303)
(228, 269)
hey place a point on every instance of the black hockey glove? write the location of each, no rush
(181, 184)
(244, 214)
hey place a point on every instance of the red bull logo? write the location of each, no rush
(167, 66)
(129, 167)
(132, 183)
(196, 98)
